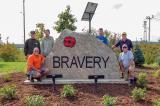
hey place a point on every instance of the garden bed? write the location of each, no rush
(85, 94)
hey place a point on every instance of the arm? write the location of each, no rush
(116, 45)
(131, 57)
(106, 41)
(131, 46)
(42, 47)
(39, 47)
(30, 64)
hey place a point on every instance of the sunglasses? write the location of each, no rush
(124, 47)
(36, 51)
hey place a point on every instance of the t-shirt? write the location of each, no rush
(30, 44)
(103, 39)
(47, 45)
(35, 61)
(125, 58)
(127, 42)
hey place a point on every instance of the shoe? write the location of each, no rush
(31, 79)
(122, 75)
(39, 80)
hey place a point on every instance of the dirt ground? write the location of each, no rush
(85, 95)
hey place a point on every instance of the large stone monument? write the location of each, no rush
(77, 55)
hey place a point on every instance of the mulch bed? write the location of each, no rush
(85, 96)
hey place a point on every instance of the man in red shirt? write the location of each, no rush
(35, 62)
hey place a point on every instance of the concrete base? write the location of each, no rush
(77, 81)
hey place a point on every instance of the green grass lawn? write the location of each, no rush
(9, 67)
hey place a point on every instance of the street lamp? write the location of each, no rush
(149, 29)
(24, 31)
(89, 12)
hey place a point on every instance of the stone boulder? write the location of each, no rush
(89, 56)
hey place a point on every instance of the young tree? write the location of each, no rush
(66, 21)
(39, 30)
(138, 56)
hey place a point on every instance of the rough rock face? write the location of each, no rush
(83, 59)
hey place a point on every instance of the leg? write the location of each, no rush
(44, 72)
(121, 69)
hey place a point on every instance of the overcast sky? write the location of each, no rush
(114, 15)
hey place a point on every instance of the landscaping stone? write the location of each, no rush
(87, 56)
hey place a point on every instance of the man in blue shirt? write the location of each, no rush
(126, 60)
(123, 41)
(101, 37)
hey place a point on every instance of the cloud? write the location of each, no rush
(117, 6)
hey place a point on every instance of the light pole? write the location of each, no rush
(24, 25)
(149, 28)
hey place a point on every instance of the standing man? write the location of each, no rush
(30, 44)
(47, 43)
(102, 37)
(123, 41)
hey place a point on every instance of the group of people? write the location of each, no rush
(126, 58)
(35, 53)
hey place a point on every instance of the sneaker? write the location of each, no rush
(122, 75)
(31, 79)
(39, 80)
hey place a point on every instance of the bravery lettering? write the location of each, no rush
(80, 62)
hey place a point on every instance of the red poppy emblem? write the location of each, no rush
(69, 41)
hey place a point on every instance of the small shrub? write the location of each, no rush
(142, 79)
(138, 56)
(138, 93)
(6, 77)
(157, 103)
(8, 92)
(9, 53)
(68, 91)
(158, 60)
(156, 74)
(35, 100)
(109, 101)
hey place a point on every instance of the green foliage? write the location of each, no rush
(9, 52)
(6, 77)
(157, 103)
(156, 74)
(39, 30)
(109, 101)
(142, 79)
(158, 60)
(138, 56)
(66, 21)
(68, 91)
(150, 52)
(8, 92)
(138, 93)
(35, 100)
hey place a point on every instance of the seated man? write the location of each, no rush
(126, 60)
(35, 65)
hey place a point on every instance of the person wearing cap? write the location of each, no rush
(124, 40)
(30, 44)
(47, 43)
(101, 37)
(126, 60)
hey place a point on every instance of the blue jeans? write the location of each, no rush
(32, 73)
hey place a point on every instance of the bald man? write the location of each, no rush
(35, 62)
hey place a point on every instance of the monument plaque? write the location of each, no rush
(78, 55)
